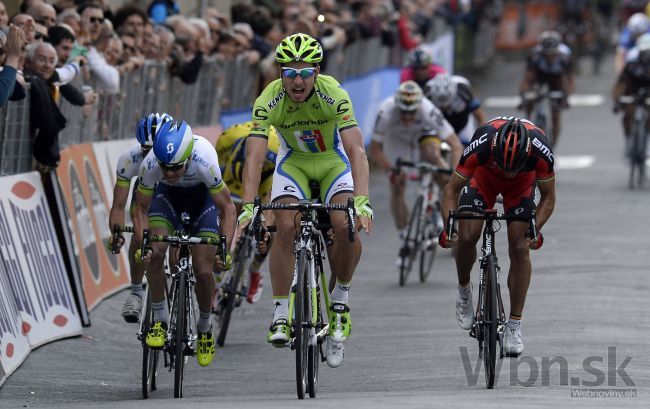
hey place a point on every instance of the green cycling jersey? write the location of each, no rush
(310, 127)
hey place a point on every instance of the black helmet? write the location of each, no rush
(418, 58)
(511, 145)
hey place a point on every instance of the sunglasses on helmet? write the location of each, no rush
(293, 72)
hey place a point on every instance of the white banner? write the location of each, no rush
(33, 262)
(14, 345)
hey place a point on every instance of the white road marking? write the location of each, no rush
(586, 100)
(574, 162)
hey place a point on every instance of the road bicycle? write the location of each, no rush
(425, 223)
(308, 302)
(490, 320)
(540, 108)
(639, 136)
(235, 286)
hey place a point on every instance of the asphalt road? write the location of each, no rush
(586, 306)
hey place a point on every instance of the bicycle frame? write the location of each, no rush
(639, 135)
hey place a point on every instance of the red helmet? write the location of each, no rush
(511, 146)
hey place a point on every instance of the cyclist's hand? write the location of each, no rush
(536, 244)
(115, 247)
(220, 265)
(245, 216)
(263, 245)
(140, 258)
(364, 212)
(446, 241)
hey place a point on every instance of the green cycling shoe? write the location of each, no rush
(156, 335)
(279, 333)
(205, 348)
(340, 322)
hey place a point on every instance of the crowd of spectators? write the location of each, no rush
(46, 46)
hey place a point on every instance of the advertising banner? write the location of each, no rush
(442, 51)
(33, 263)
(102, 273)
(14, 345)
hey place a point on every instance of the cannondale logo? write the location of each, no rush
(170, 147)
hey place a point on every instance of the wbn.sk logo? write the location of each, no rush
(527, 371)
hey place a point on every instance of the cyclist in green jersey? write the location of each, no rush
(320, 142)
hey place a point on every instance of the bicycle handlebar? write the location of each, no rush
(427, 167)
(179, 239)
(303, 206)
(117, 230)
(491, 215)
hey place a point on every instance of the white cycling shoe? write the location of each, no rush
(465, 310)
(334, 353)
(513, 345)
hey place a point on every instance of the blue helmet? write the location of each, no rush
(174, 143)
(148, 127)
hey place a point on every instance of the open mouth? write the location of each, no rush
(298, 92)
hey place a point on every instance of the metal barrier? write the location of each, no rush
(222, 84)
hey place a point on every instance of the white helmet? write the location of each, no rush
(441, 89)
(408, 96)
(643, 41)
(638, 23)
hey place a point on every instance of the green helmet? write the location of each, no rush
(299, 47)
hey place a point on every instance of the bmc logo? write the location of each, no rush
(543, 148)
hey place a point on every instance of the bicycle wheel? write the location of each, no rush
(428, 246)
(302, 313)
(490, 322)
(149, 355)
(229, 295)
(410, 245)
(637, 156)
(179, 335)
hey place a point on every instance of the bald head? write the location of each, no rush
(43, 13)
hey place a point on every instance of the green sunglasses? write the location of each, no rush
(293, 73)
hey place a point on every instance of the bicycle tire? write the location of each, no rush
(230, 295)
(409, 248)
(637, 165)
(314, 350)
(149, 355)
(428, 253)
(301, 337)
(179, 336)
(490, 323)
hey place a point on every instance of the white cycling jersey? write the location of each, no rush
(128, 165)
(203, 168)
(402, 141)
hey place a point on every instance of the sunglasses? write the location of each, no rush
(41, 36)
(97, 20)
(293, 73)
(173, 167)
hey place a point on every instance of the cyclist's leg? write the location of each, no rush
(133, 304)
(556, 84)
(290, 184)
(255, 268)
(519, 200)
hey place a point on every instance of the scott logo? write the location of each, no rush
(170, 147)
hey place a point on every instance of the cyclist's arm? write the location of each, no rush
(255, 156)
(120, 196)
(353, 145)
(227, 212)
(378, 156)
(527, 81)
(140, 218)
(546, 201)
(619, 88)
(430, 151)
(450, 195)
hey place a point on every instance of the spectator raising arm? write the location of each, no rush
(13, 48)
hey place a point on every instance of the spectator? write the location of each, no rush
(92, 21)
(43, 13)
(4, 18)
(46, 120)
(114, 51)
(132, 19)
(187, 59)
(26, 22)
(167, 40)
(150, 43)
(64, 5)
(406, 28)
(130, 58)
(40, 32)
(26, 4)
(72, 19)
(63, 41)
(159, 10)
(12, 45)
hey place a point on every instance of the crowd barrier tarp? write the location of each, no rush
(367, 93)
(519, 27)
(33, 262)
(14, 345)
(102, 272)
(442, 51)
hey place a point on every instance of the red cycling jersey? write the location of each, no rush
(487, 180)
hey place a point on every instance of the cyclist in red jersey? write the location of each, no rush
(420, 68)
(507, 156)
